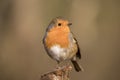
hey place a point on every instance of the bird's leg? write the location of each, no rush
(57, 66)
(67, 63)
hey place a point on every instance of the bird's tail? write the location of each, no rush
(76, 66)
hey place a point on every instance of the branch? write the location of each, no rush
(61, 73)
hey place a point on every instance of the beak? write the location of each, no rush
(69, 24)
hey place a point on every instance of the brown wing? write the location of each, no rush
(78, 54)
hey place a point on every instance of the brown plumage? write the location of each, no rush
(60, 43)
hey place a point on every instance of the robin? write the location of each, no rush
(60, 43)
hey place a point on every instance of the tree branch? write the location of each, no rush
(60, 73)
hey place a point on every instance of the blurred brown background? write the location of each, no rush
(96, 24)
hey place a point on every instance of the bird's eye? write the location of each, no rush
(59, 24)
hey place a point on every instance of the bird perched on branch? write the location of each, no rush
(60, 43)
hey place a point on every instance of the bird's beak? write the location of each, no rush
(69, 24)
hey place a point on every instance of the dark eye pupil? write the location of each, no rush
(59, 24)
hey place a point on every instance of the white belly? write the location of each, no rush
(58, 53)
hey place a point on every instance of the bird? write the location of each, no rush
(60, 43)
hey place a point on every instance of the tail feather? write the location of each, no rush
(76, 66)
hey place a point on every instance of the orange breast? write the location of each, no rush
(58, 35)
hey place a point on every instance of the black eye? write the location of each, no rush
(59, 24)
